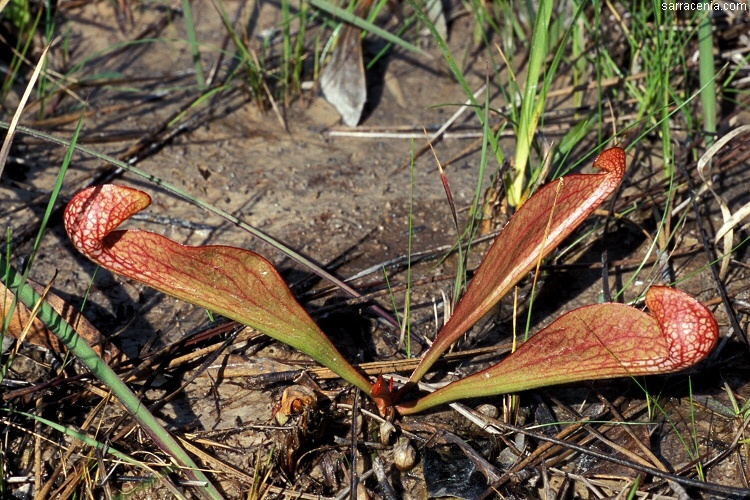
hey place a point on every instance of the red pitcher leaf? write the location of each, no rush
(39, 334)
(234, 282)
(596, 342)
(541, 224)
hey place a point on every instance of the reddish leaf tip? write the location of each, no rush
(612, 161)
(689, 327)
(96, 211)
(382, 393)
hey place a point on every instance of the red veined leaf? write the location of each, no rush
(541, 224)
(596, 342)
(234, 282)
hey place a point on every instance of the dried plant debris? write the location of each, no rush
(343, 80)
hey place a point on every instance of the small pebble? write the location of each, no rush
(488, 410)
(362, 493)
(386, 431)
(404, 454)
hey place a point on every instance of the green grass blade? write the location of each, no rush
(187, 10)
(351, 18)
(529, 116)
(16, 283)
(43, 226)
(89, 441)
(707, 75)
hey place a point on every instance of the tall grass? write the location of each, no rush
(532, 105)
(707, 77)
(187, 10)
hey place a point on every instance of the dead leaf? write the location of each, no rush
(295, 400)
(40, 335)
(436, 14)
(343, 79)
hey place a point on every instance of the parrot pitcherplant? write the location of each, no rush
(596, 342)
(533, 232)
(593, 342)
(233, 282)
